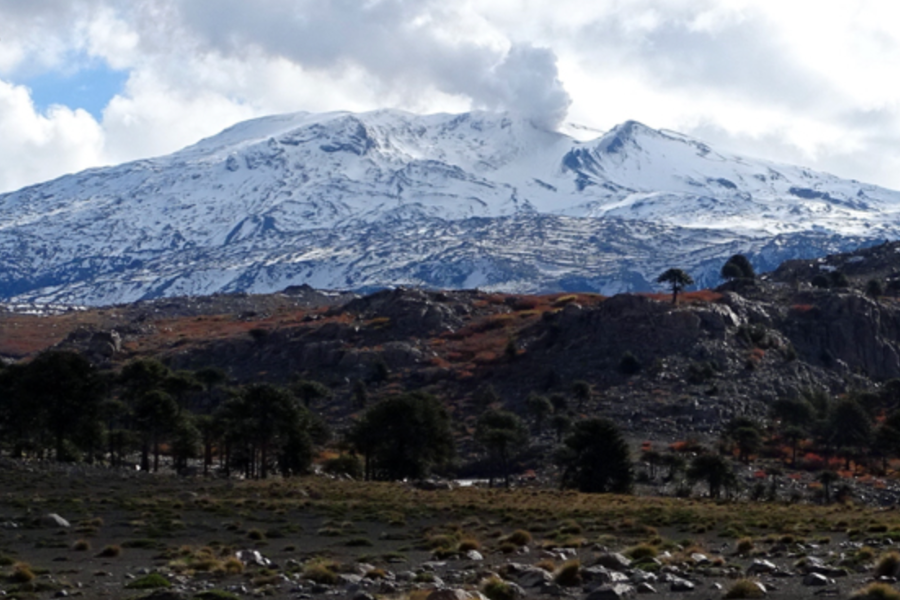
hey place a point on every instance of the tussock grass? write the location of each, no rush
(876, 591)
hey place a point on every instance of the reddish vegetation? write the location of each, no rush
(698, 297)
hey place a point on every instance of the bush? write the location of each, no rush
(149, 582)
(345, 464)
(888, 565)
(111, 551)
(468, 544)
(569, 574)
(744, 546)
(876, 591)
(519, 537)
(21, 573)
(629, 364)
(642, 551)
(320, 573)
(497, 589)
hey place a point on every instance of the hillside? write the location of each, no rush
(716, 354)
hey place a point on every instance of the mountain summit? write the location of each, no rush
(350, 201)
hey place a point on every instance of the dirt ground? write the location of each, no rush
(319, 538)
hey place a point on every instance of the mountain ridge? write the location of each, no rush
(347, 201)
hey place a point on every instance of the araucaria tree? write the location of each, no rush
(501, 433)
(404, 436)
(738, 267)
(677, 280)
(595, 459)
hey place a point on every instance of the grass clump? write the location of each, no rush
(358, 542)
(744, 546)
(497, 589)
(876, 591)
(569, 574)
(888, 565)
(257, 535)
(216, 595)
(233, 566)
(744, 588)
(642, 552)
(22, 573)
(111, 551)
(467, 544)
(519, 537)
(321, 572)
(81, 546)
(149, 582)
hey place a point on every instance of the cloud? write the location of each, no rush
(41, 146)
(399, 42)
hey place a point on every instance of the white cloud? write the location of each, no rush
(40, 146)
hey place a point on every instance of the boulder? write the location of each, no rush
(615, 591)
(447, 595)
(614, 561)
(54, 520)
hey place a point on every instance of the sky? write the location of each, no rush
(85, 83)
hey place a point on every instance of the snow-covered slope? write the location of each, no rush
(344, 200)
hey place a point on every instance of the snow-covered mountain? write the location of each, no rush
(344, 200)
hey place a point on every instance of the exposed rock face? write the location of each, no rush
(105, 343)
(408, 311)
(847, 327)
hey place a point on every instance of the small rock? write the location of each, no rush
(474, 555)
(816, 579)
(54, 520)
(645, 588)
(614, 561)
(761, 566)
(681, 585)
(615, 591)
(447, 595)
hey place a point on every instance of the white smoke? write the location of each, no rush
(527, 83)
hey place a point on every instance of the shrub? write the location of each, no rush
(111, 551)
(497, 589)
(21, 573)
(149, 582)
(345, 464)
(233, 566)
(876, 591)
(629, 364)
(569, 574)
(81, 546)
(744, 546)
(547, 565)
(519, 537)
(256, 535)
(642, 551)
(320, 573)
(888, 565)
(745, 588)
(216, 595)
(469, 544)
(358, 542)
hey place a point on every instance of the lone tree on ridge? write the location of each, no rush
(677, 279)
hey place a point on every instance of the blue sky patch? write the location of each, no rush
(90, 88)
